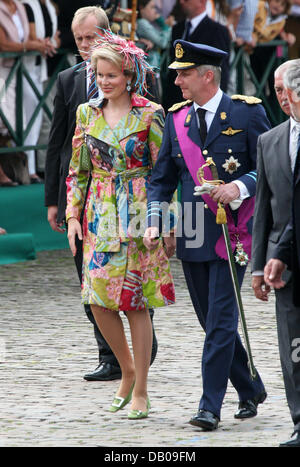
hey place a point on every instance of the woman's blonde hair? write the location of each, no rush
(124, 54)
(113, 56)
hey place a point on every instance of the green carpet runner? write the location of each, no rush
(24, 217)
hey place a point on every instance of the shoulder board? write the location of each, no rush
(179, 105)
(247, 99)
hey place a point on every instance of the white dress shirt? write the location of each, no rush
(294, 135)
(211, 108)
(196, 21)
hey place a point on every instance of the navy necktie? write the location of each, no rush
(93, 89)
(203, 126)
(187, 29)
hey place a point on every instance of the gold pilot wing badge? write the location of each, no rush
(231, 165)
(230, 131)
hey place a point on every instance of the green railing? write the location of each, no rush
(239, 64)
(19, 71)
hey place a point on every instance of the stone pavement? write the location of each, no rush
(47, 345)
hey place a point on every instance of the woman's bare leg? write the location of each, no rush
(141, 335)
(112, 329)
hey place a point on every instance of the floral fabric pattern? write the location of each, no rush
(119, 273)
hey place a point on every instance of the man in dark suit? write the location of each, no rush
(210, 124)
(286, 247)
(66, 11)
(72, 90)
(273, 197)
(197, 28)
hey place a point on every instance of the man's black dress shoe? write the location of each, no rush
(248, 408)
(294, 442)
(205, 419)
(104, 372)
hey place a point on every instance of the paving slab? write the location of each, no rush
(47, 345)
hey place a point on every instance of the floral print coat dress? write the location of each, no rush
(119, 273)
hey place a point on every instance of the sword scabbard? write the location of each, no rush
(221, 219)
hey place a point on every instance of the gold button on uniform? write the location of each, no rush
(205, 206)
(230, 151)
(179, 155)
(205, 152)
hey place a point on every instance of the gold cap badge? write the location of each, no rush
(179, 51)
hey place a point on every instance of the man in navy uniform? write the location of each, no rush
(211, 124)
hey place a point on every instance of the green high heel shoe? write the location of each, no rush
(119, 402)
(138, 414)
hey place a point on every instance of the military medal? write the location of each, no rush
(241, 256)
(231, 165)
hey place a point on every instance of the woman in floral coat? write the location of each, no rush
(121, 138)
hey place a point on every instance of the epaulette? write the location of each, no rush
(247, 99)
(179, 105)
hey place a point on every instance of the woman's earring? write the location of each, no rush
(128, 87)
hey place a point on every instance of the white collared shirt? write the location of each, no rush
(211, 108)
(196, 21)
(293, 145)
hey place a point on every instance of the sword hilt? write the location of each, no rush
(221, 217)
(200, 173)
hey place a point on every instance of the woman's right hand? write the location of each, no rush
(74, 228)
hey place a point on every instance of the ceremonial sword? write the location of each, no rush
(206, 187)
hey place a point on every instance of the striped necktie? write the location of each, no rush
(93, 89)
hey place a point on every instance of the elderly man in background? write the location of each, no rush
(276, 156)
